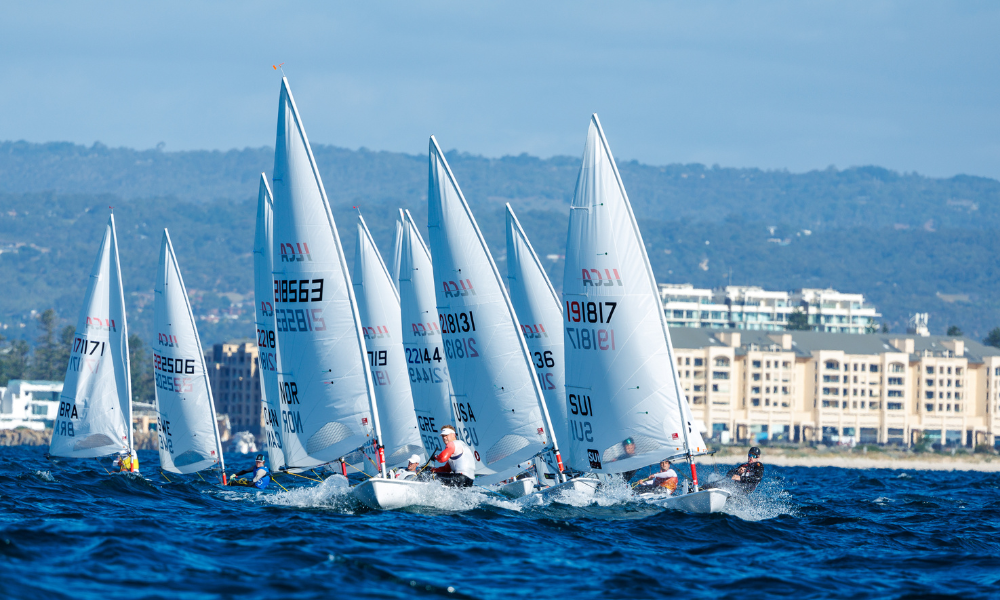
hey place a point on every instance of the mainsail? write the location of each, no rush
(539, 311)
(426, 364)
(378, 303)
(498, 405)
(186, 424)
(267, 342)
(95, 409)
(621, 380)
(324, 382)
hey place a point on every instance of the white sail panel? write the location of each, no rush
(397, 249)
(378, 304)
(423, 346)
(95, 409)
(324, 382)
(620, 374)
(186, 427)
(267, 342)
(539, 312)
(497, 401)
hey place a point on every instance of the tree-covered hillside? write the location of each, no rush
(908, 242)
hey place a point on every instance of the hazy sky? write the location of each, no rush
(799, 85)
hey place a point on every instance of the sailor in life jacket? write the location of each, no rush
(410, 472)
(459, 469)
(128, 461)
(664, 482)
(261, 475)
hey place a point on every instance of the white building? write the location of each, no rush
(31, 404)
(752, 308)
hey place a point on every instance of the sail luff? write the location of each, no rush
(397, 249)
(126, 359)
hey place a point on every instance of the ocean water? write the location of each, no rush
(70, 530)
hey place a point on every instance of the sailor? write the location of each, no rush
(628, 447)
(749, 474)
(261, 475)
(664, 482)
(128, 461)
(459, 469)
(410, 472)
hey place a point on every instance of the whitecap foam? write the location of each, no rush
(882, 500)
(45, 476)
(333, 492)
(768, 501)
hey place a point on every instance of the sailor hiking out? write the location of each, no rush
(459, 469)
(261, 475)
(664, 482)
(128, 462)
(748, 475)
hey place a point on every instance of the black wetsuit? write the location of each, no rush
(750, 475)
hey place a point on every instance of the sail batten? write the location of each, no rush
(625, 406)
(497, 402)
(187, 430)
(95, 412)
(325, 389)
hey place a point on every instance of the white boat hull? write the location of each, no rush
(585, 486)
(389, 494)
(519, 488)
(701, 502)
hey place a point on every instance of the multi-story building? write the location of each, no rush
(805, 386)
(755, 309)
(235, 379)
(31, 404)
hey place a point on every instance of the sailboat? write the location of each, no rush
(539, 312)
(625, 405)
(497, 401)
(267, 342)
(95, 408)
(186, 425)
(325, 388)
(378, 302)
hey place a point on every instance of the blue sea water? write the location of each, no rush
(69, 530)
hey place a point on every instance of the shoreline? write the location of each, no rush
(781, 457)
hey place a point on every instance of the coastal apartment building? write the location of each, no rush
(235, 379)
(754, 309)
(806, 386)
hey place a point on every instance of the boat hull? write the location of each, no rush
(519, 488)
(701, 502)
(389, 494)
(586, 486)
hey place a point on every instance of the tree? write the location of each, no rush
(51, 355)
(14, 360)
(798, 321)
(955, 331)
(142, 375)
(993, 338)
(885, 328)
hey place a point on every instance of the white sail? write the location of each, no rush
(324, 383)
(497, 401)
(423, 346)
(539, 311)
(95, 409)
(267, 342)
(378, 303)
(397, 249)
(186, 426)
(620, 373)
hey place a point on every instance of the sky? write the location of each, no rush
(911, 86)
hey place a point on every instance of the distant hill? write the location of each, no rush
(910, 243)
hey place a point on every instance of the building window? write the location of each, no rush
(755, 390)
(831, 391)
(930, 370)
(722, 361)
(895, 393)
(698, 362)
(786, 365)
(720, 375)
(831, 404)
(929, 407)
(832, 365)
(873, 368)
(895, 381)
(831, 379)
(755, 401)
(756, 364)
